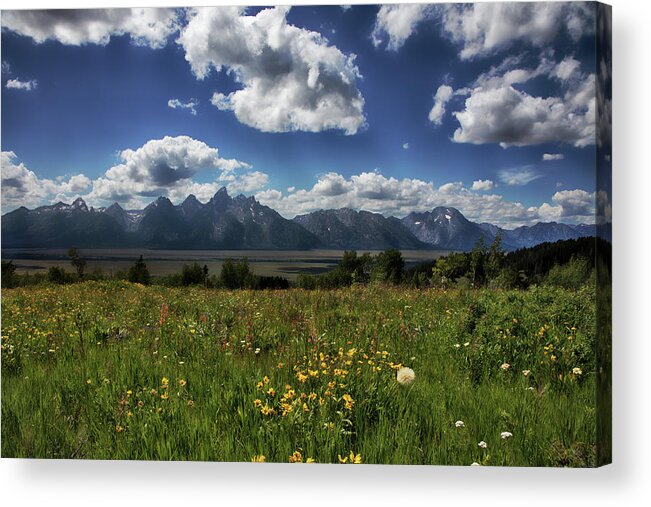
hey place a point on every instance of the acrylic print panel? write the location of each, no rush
(334, 234)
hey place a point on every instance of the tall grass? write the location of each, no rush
(112, 370)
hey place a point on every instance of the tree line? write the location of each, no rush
(568, 263)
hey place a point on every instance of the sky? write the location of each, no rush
(489, 108)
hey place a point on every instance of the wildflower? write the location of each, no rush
(153, 392)
(310, 460)
(506, 434)
(505, 366)
(141, 403)
(271, 392)
(265, 380)
(164, 396)
(577, 371)
(129, 414)
(190, 403)
(305, 407)
(312, 396)
(182, 382)
(553, 358)
(118, 428)
(129, 392)
(457, 345)
(259, 386)
(257, 403)
(89, 381)
(296, 457)
(301, 376)
(405, 376)
(266, 410)
(259, 458)
(460, 424)
(257, 351)
(526, 372)
(482, 444)
(466, 344)
(164, 382)
(349, 401)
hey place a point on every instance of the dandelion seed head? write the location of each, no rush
(405, 376)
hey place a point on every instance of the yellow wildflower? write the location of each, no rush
(257, 403)
(296, 457)
(259, 458)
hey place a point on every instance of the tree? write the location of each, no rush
(193, 274)
(77, 262)
(495, 257)
(138, 273)
(8, 274)
(389, 266)
(57, 275)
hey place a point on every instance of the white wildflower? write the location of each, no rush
(405, 376)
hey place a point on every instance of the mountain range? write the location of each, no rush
(240, 222)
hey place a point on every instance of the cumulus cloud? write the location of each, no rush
(292, 78)
(552, 156)
(482, 29)
(375, 192)
(518, 176)
(146, 26)
(190, 105)
(22, 187)
(442, 97)
(567, 69)
(496, 111)
(572, 206)
(166, 167)
(483, 185)
(397, 22)
(17, 84)
(405, 146)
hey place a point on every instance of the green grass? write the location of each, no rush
(80, 363)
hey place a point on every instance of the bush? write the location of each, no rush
(572, 275)
(194, 274)
(58, 275)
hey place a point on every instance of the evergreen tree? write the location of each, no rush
(138, 273)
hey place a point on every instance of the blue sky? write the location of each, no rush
(390, 109)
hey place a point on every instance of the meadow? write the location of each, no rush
(114, 370)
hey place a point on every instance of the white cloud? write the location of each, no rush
(291, 78)
(291, 189)
(481, 29)
(498, 112)
(398, 22)
(571, 206)
(442, 97)
(190, 105)
(22, 187)
(405, 146)
(166, 167)
(373, 191)
(483, 185)
(146, 26)
(6, 68)
(567, 69)
(518, 176)
(17, 84)
(552, 156)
